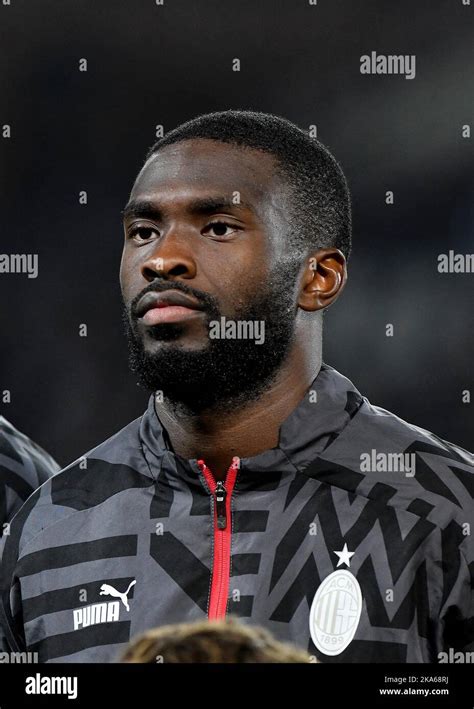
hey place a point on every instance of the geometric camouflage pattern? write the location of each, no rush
(132, 510)
(24, 466)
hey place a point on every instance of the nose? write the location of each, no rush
(170, 258)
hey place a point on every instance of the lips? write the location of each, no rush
(168, 306)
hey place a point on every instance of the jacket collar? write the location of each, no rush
(325, 410)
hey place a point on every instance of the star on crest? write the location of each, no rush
(344, 556)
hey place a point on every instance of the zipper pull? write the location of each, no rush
(220, 494)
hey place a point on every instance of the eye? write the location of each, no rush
(141, 233)
(221, 229)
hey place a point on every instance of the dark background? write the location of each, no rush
(150, 65)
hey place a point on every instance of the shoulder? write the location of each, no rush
(385, 428)
(24, 466)
(414, 468)
(114, 466)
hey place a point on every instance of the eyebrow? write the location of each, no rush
(146, 208)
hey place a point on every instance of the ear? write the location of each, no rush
(324, 278)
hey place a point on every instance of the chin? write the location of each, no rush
(152, 346)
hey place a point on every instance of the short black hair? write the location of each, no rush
(319, 195)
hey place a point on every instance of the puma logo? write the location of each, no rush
(107, 590)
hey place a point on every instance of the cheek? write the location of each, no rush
(249, 258)
(122, 273)
(126, 276)
(237, 283)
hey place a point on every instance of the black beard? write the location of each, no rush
(226, 372)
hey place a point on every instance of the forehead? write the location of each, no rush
(202, 165)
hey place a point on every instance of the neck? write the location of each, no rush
(219, 434)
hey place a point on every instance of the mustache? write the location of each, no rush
(207, 301)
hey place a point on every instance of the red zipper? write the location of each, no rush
(222, 491)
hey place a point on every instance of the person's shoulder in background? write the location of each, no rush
(24, 466)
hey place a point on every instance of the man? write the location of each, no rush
(259, 482)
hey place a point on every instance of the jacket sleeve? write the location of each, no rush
(24, 466)
(11, 617)
(4, 646)
(457, 612)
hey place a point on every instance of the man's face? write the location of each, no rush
(206, 238)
